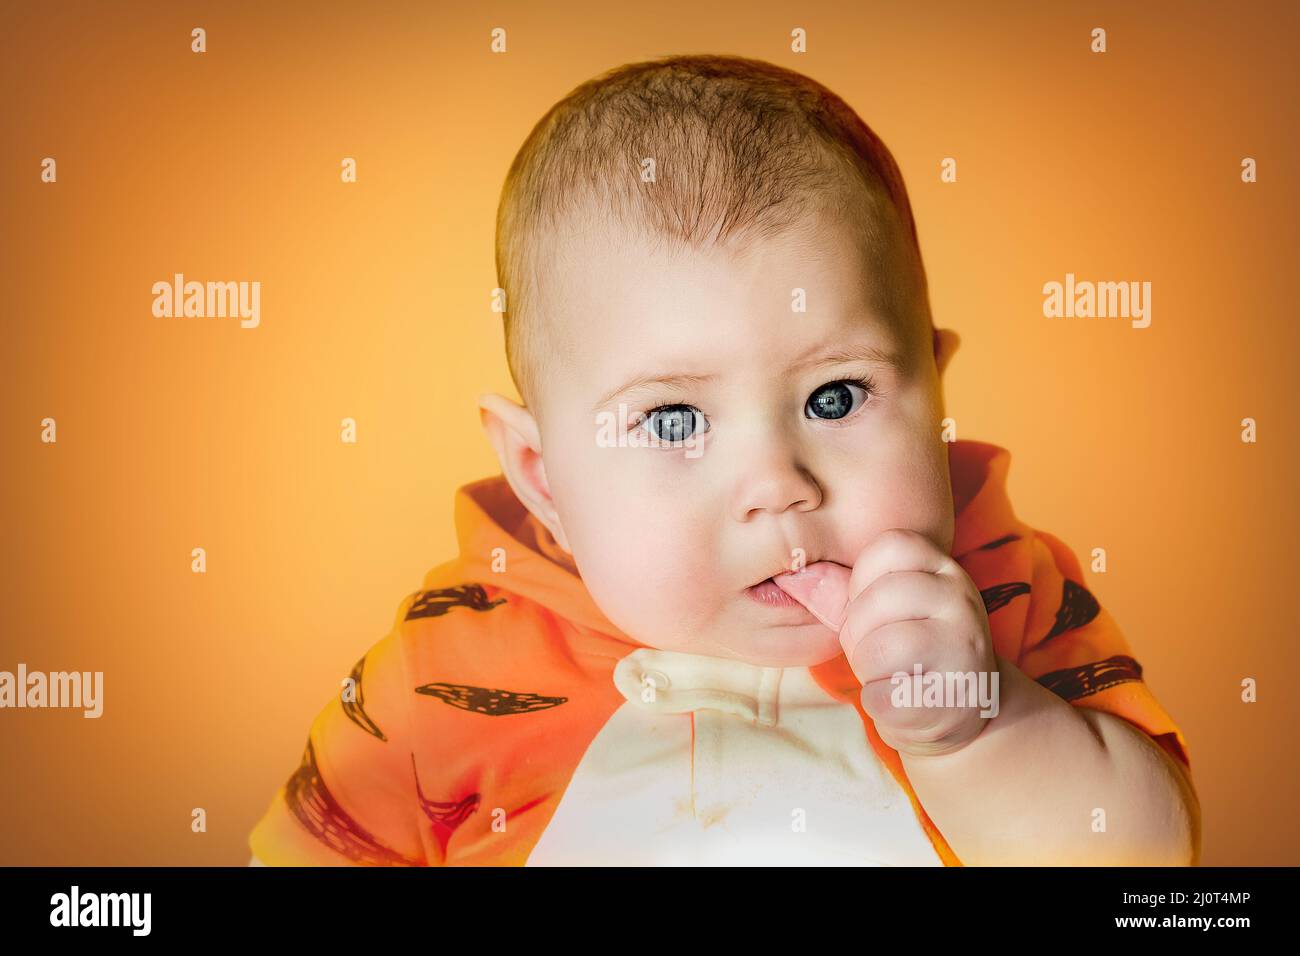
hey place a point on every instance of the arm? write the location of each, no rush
(1026, 789)
(352, 800)
(1067, 771)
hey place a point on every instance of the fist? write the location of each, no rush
(914, 629)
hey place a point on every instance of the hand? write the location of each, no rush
(906, 603)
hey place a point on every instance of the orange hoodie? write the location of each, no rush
(504, 720)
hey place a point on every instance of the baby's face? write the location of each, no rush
(757, 448)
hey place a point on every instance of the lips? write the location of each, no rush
(780, 570)
(768, 592)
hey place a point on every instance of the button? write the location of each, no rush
(658, 678)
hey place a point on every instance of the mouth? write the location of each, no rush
(778, 570)
(767, 592)
(766, 579)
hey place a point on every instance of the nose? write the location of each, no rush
(774, 483)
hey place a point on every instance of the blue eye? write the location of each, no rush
(836, 400)
(673, 423)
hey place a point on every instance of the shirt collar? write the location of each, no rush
(674, 682)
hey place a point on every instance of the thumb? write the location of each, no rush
(822, 587)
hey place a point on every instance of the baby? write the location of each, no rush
(739, 595)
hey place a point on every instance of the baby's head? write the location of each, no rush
(717, 318)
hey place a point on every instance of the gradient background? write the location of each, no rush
(183, 433)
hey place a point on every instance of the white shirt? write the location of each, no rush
(719, 762)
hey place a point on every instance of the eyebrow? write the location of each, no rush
(814, 357)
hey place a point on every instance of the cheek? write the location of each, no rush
(909, 491)
(640, 551)
(649, 577)
(641, 589)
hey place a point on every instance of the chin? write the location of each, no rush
(800, 646)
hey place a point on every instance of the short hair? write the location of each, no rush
(748, 150)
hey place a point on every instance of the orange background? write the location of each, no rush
(183, 433)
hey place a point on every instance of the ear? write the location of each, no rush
(513, 432)
(945, 344)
